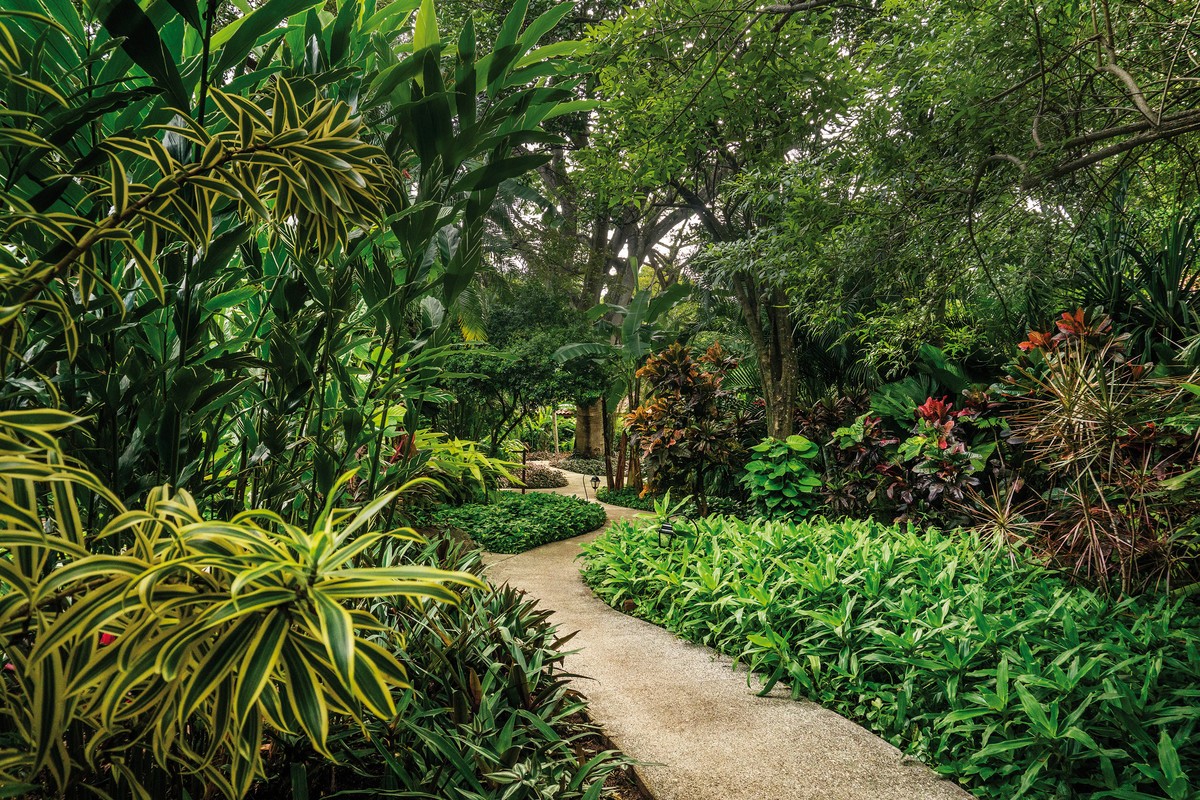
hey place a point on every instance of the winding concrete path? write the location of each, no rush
(689, 716)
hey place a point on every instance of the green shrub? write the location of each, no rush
(584, 466)
(514, 523)
(630, 498)
(729, 507)
(491, 714)
(781, 483)
(995, 671)
(626, 498)
(149, 656)
(535, 476)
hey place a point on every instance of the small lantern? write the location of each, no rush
(667, 529)
(595, 483)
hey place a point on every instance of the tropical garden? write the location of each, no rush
(886, 315)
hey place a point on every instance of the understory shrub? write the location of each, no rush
(925, 470)
(781, 483)
(514, 522)
(626, 498)
(152, 655)
(535, 476)
(167, 655)
(1110, 449)
(584, 466)
(730, 507)
(993, 670)
(687, 429)
(490, 715)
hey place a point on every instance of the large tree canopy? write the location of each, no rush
(860, 178)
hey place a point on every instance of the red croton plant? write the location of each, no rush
(938, 463)
(687, 427)
(1073, 326)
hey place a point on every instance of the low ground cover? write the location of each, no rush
(626, 498)
(993, 670)
(535, 476)
(513, 523)
(583, 466)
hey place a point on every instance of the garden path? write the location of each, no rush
(700, 731)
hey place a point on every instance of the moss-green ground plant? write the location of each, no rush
(581, 465)
(514, 522)
(535, 476)
(994, 671)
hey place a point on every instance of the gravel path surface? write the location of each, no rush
(700, 730)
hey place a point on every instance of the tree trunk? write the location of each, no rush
(635, 469)
(622, 447)
(596, 265)
(770, 330)
(785, 369)
(607, 429)
(589, 430)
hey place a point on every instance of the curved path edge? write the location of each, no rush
(700, 731)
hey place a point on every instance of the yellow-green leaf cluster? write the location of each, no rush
(303, 168)
(168, 633)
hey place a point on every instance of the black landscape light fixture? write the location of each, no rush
(595, 483)
(667, 530)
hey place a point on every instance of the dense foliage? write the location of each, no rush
(500, 386)
(626, 498)
(489, 715)
(688, 429)
(239, 261)
(159, 650)
(276, 274)
(779, 479)
(535, 476)
(990, 668)
(236, 244)
(514, 522)
(1111, 442)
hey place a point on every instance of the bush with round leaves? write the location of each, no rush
(781, 482)
(514, 523)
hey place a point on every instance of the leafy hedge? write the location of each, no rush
(631, 498)
(626, 498)
(490, 714)
(997, 673)
(516, 522)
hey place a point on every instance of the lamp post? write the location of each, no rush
(595, 484)
(666, 529)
